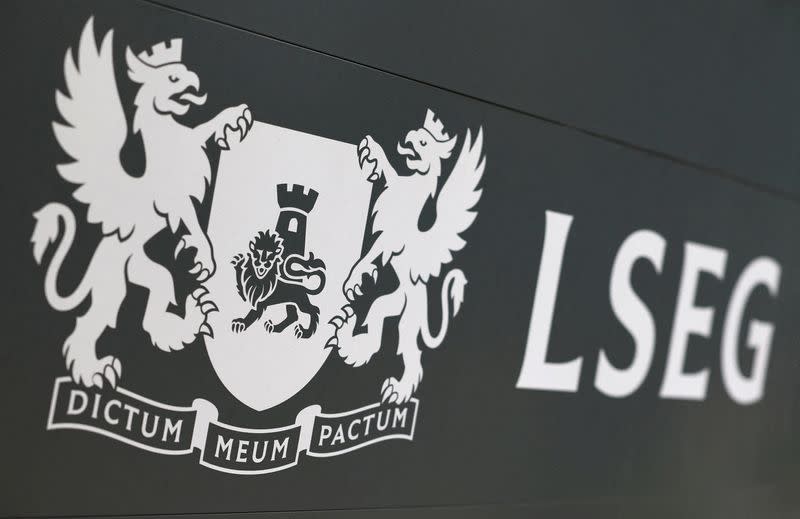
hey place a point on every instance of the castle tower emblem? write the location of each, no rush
(295, 203)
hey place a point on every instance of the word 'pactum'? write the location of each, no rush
(635, 316)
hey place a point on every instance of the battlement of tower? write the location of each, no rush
(295, 196)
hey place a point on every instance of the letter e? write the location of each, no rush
(691, 319)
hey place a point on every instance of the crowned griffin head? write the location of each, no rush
(167, 84)
(426, 147)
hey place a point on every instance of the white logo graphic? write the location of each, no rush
(281, 278)
(131, 210)
(415, 256)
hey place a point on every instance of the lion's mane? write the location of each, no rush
(252, 289)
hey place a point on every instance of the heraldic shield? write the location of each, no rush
(286, 224)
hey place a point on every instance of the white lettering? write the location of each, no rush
(399, 417)
(241, 451)
(632, 313)
(226, 447)
(339, 436)
(72, 409)
(131, 412)
(152, 432)
(256, 457)
(744, 390)
(691, 320)
(324, 433)
(172, 428)
(282, 447)
(350, 434)
(536, 372)
(96, 406)
(107, 411)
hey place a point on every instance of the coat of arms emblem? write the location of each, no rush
(301, 229)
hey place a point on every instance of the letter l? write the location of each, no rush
(536, 372)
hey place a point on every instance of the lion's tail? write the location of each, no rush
(452, 290)
(307, 272)
(45, 233)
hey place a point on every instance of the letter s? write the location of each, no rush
(632, 313)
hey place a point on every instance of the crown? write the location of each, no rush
(163, 53)
(435, 127)
(296, 197)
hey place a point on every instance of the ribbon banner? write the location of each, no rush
(166, 429)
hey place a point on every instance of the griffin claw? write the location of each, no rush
(196, 268)
(244, 126)
(223, 144)
(111, 376)
(350, 295)
(204, 274)
(337, 322)
(205, 329)
(348, 311)
(178, 248)
(373, 177)
(199, 292)
(333, 342)
(209, 307)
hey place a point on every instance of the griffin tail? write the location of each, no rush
(45, 233)
(452, 290)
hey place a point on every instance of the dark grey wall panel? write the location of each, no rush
(711, 82)
(482, 447)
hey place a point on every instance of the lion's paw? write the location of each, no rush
(96, 372)
(396, 391)
(302, 332)
(238, 325)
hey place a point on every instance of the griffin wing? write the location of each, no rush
(454, 212)
(95, 132)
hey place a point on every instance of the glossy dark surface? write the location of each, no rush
(689, 81)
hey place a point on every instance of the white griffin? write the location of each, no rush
(416, 256)
(131, 210)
